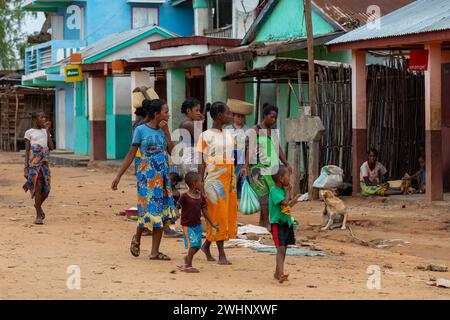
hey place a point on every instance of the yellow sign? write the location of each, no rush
(73, 73)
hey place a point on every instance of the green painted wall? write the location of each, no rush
(82, 128)
(118, 135)
(287, 22)
(118, 127)
(176, 94)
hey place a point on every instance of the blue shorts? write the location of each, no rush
(192, 237)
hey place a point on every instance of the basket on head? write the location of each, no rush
(138, 96)
(240, 107)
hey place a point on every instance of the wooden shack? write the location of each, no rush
(16, 104)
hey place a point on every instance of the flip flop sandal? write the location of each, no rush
(135, 247)
(161, 256)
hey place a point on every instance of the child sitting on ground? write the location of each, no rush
(282, 224)
(193, 205)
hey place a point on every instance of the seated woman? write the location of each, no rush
(372, 174)
(420, 176)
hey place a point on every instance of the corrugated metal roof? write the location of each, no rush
(117, 39)
(114, 40)
(418, 17)
(351, 14)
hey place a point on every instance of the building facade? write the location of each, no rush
(101, 32)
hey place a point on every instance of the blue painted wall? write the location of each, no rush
(102, 20)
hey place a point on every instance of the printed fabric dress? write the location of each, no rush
(220, 183)
(373, 175)
(38, 167)
(155, 201)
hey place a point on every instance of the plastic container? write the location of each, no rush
(131, 213)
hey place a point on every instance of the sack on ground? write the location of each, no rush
(249, 203)
(330, 178)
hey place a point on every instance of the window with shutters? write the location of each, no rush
(144, 17)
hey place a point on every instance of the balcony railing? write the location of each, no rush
(225, 32)
(42, 56)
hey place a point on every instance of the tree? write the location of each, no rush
(11, 36)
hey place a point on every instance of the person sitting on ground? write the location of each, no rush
(372, 177)
(281, 201)
(192, 205)
(420, 176)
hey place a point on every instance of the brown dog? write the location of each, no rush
(335, 211)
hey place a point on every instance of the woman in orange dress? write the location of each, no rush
(217, 146)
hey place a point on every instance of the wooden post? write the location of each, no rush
(433, 124)
(314, 151)
(359, 115)
(258, 98)
(8, 142)
(15, 122)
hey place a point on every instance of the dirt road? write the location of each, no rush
(83, 229)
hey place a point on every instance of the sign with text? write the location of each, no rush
(418, 60)
(73, 73)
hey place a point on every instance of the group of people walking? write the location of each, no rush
(216, 163)
(214, 176)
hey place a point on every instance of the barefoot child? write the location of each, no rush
(192, 205)
(38, 143)
(280, 204)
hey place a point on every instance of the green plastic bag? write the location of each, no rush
(249, 203)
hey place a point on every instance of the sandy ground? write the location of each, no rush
(82, 228)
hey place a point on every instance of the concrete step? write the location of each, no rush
(62, 152)
(69, 159)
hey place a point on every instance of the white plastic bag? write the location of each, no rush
(331, 177)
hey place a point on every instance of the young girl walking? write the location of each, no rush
(38, 143)
(217, 170)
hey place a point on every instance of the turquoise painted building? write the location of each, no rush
(101, 31)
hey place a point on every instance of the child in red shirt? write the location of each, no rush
(193, 205)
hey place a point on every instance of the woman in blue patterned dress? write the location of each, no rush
(155, 202)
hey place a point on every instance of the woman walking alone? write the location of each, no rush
(38, 143)
(218, 172)
(155, 202)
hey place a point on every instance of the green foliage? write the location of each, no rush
(11, 36)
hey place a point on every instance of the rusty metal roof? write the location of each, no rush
(421, 16)
(351, 14)
(344, 15)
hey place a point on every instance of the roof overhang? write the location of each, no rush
(193, 40)
(246, 53)
(46, 5)
(389, 43)
(178, 2)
